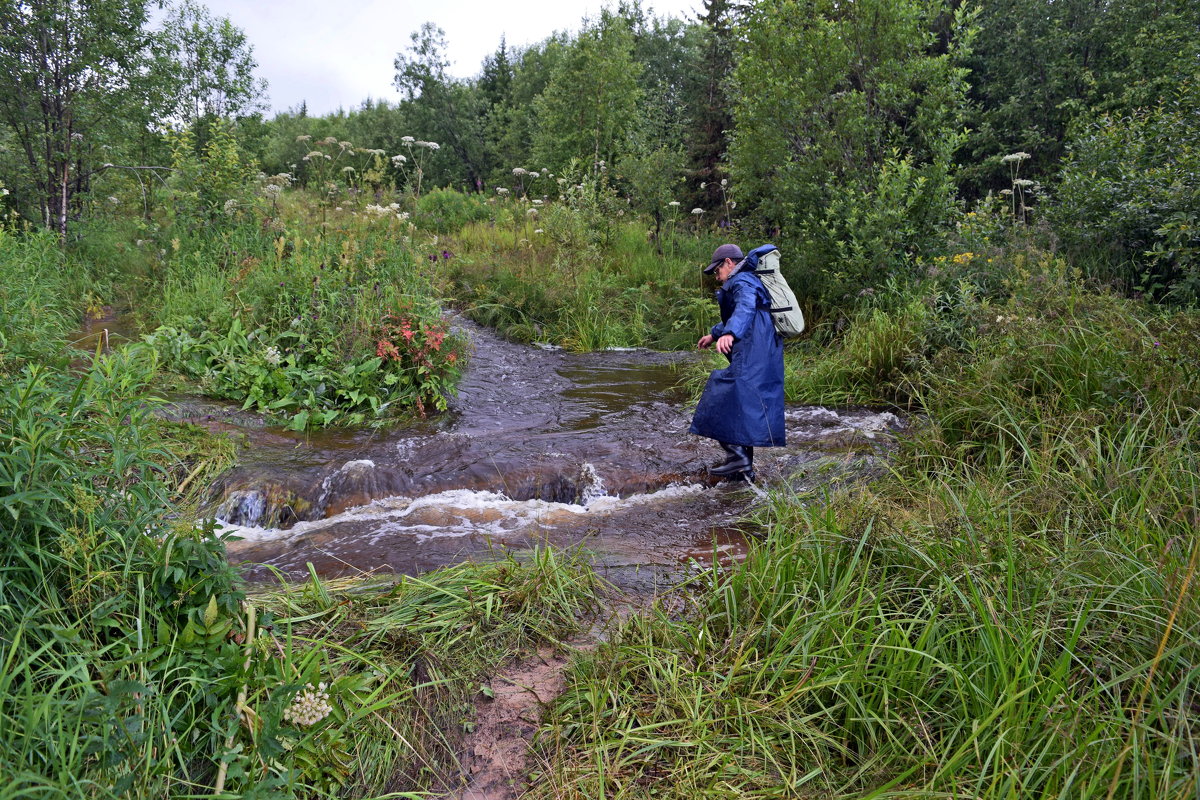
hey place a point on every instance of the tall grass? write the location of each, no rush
(569, 290)
(1012, 612)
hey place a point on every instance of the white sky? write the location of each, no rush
(333, 54)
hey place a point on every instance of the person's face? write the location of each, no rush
(725, 270)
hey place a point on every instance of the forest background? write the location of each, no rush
(990, 211)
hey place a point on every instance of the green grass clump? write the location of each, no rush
(581, 280)
(322, 325)
(1011, 612)
(135, 665)
(37, 298)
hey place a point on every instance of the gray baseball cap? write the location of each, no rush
(723, 252)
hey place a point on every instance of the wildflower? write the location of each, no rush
(77, 137)
(538, 202)
(1022, 182)
(519, 171)
(733, 204)
(501, 190)
(533, 174)
(538, 230)
(403, 215)
(531, 212)
(328, 140)
(230, 207)
(724, 182)
(272, 190)
(304, 137)
(348, 170)
(697, 211)
(397, 160)
(447, 255)
(312, 154)
(3, 191)
(703, 184)
(674, 204)
(407, 139)
(113, 200)
(272, 356)
(1011, 157)
(309, 706)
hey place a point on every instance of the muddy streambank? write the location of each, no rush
(540, 447)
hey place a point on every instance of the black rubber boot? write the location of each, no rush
(741, 459)
(731, 455)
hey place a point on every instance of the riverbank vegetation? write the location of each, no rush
(1011, 611)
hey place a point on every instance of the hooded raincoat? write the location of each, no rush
(743, 403)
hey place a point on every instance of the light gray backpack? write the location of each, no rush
(785, 311)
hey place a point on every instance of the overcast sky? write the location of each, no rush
(336, 54)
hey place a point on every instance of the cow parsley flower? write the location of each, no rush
(519, 171)
(309, 706)
(272, 356)
(398, 160)
(407, 139)
(1018, 156)
(697, 211)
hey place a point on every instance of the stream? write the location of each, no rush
(539, 447)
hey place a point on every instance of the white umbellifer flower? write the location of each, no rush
(724, 182)
(394, 206)
(1022, 182)
(272, 356)
(407, 139)
(539, 230)
(77, 137)
(304, 137)
(519, 171)
(697, 211)
(501, 190)
(1011, 157)
(230, 207)
(375, 210)
(1006, 192)
(674, 204)
(733, 204)
(113, 200)
(328, 140)
(533, 174)
(272, 190)
(339, 208)
(430, 145)
(398, 160)
(403, 215)
(531, 212)
(348, 170)
(3, 191)
(313, 154)
(538, 202)
(309, 706)
(703, 184)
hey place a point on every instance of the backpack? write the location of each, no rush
(785, 311)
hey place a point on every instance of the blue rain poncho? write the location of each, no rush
(743, 403)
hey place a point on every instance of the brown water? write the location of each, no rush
(539, 447)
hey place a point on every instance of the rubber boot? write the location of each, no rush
(730, 455)
(742, 459)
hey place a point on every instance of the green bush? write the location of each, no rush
(446, 210)
(1129, 195)
(334, 329)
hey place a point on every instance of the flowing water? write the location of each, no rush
(540, 446)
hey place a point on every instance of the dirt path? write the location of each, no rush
(495, 755)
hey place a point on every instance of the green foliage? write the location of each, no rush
(447, 210)
(1129, 194)
(846, 124)
(211, 183)
(339, 329)
(36, 296)
(591, 102)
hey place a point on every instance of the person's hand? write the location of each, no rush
(705, 341)
(725, 344)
